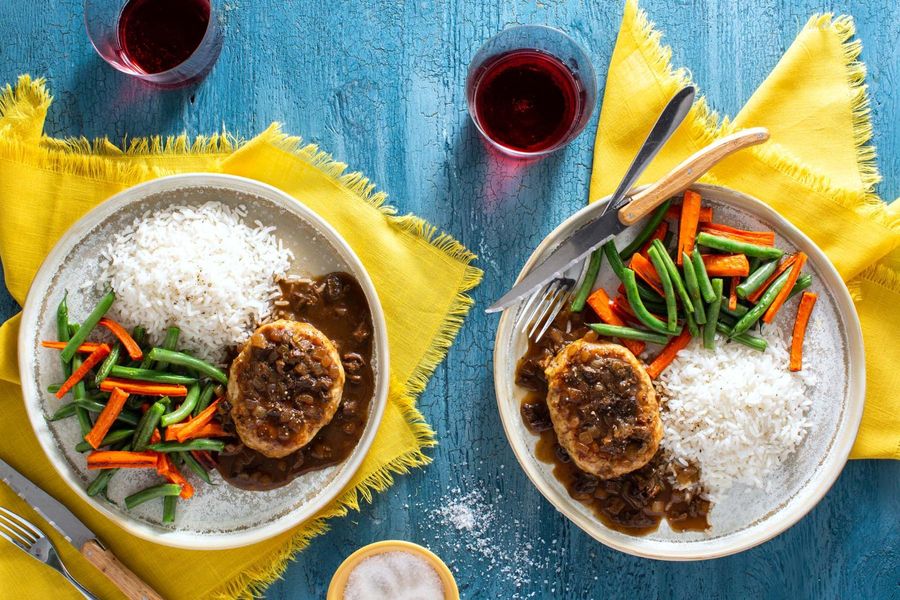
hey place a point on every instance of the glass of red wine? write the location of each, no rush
(168, 43)
(531, 90)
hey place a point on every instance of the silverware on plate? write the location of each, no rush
(33, 541)
(595, 233)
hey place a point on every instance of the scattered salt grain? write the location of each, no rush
(394, 575)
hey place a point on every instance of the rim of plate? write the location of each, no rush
(31, 395)
(796, 507)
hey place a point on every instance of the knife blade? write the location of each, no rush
(62, 519)
(594, 234)
(78, 534)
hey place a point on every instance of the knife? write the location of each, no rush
(594, 234)
(78, 534)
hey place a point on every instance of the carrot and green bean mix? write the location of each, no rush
(138, 407)
(708, 278)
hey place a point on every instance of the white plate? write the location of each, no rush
(219, 516)
(745, 517)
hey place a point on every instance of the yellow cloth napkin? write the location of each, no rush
(421, 278)
(817, 170)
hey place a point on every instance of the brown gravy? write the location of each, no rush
(337, 306)
(634, 503)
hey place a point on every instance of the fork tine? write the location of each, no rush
(527, 312)
(23, 540)
(31, 533)
(561, 302)
(551, 300)
(13, 541)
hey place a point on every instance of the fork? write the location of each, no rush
(28, 538)
(542, 307)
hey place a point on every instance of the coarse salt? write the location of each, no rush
(396, 575)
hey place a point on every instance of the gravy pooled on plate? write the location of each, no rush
(335, 305)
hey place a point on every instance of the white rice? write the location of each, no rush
(199, 268)
(738, 413)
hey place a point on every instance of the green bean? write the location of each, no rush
(709, 332)
(88, 326)
(194, 465)
(756, 278)
(738, 312)
(108, 363)
(629, 333)
(753, 315)
(692, 324)
(156, 491)
(744, 338)
(126, 416)
(675, 276)
(198, 444)
(725, 318)
(647, 231)
(62, 331)
(139, 334)
(648, 293)
(590, 277)
(803, 282)
(706, 289)
(100, 482)
(64, 412)
(205, 398)
(184, 360)
(169, 503)
(54, 387)
(736, 247)
(113, 437)
(613, 258)
(187, 406)
(754, 261)
(655, 306)
(151, 375)
(693, 288)
(147, 425)
(637, 305)
(668, 288)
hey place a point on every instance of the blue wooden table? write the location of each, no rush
(379, 83)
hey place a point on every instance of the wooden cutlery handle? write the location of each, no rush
(688, 172)
(129, 583)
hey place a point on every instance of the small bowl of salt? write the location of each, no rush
(393, 570)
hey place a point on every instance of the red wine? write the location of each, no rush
(527, 100)
(158, 35)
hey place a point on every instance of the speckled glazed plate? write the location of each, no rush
(218, 516)
(745, 516)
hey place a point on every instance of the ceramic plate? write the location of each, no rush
(746, 516)
(219, 516)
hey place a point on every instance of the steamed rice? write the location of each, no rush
(199, 268)
(736, 412)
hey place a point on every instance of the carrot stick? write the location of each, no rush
(167, 469)
(95, 358)
(726, 265)
(185, 430)
(600, 302)
(142, 388)
(668, 353)
(804, 310)
(786, 290)
(706, 213)
(121, 459)
(659, 234)
(621, 306)
(644, 269)
(107, 417)
(85, 348)
(207, 431)
(687, 226)
(781, 269)
(761, 238)
(134, 351)
(732, 293)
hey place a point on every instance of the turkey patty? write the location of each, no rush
(284, 386)
(603, 407)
